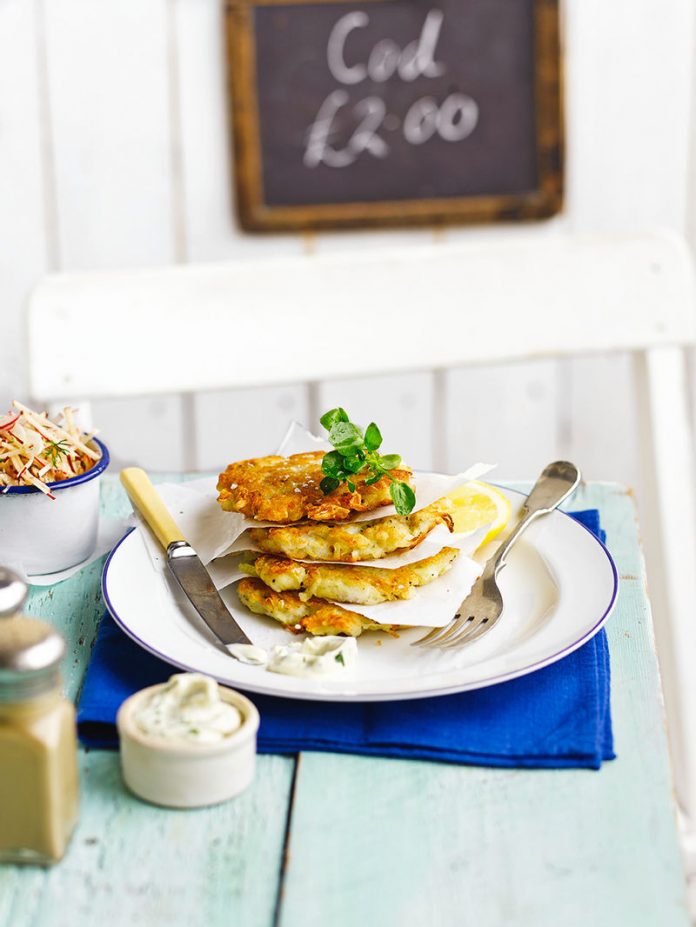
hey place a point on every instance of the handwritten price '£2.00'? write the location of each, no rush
(452, 120)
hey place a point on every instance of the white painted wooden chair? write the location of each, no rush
(191, 328)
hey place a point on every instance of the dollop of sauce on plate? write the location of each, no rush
(248, 653)
(188, 708)
(315, 656)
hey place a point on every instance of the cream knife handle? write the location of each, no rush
(148, 502)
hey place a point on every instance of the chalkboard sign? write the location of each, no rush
(394, 112)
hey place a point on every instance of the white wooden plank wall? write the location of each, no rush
(246, 422)
(25, 226)
(110, 141)
(114, 152)
(628, 137)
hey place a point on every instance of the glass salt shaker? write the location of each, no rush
(38, 746)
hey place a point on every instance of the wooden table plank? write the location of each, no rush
(383, 841)
(395, 842)
(130, 863)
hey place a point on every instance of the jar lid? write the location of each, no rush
(13, 592)
(28, 645)
(30, 649)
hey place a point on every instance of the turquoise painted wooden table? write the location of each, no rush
(323, 839)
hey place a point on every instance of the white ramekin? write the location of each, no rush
(43, 535)
(187, 775)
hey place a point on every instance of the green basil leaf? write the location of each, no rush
(403, 497)
(330, 418)
(346, 437)
(328, 484)
(373, 437)
(332, 463)
(390, 461)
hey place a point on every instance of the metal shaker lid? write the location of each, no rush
(30, 649)
(13, 592)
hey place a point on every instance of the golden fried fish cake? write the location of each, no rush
(358, 585)
(286, 489)
(315, 616)
(355, 541)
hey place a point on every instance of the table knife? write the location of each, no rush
(182, 559)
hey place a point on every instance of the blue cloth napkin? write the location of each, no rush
(558, 716)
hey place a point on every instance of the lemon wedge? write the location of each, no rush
(477, 505)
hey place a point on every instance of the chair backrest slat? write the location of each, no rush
(244, 323)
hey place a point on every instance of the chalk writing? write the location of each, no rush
(452, 119)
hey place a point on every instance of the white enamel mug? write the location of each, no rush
(43, 535)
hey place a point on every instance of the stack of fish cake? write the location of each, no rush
(309, 525)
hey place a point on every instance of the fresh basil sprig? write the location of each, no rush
(354, 452)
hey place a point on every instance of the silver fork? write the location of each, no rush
(482, 608)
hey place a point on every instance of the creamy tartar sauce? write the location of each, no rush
(248, 653)
(188, 707)
(315, 656)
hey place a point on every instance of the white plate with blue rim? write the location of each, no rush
(559, 587)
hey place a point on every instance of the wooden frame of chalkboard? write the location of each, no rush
(258, 211)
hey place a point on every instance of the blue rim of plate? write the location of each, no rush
(99, 467)
(391, 696)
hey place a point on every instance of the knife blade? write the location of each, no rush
(195, 580)
(183, 561)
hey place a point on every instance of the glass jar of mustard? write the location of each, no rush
(38, 747)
